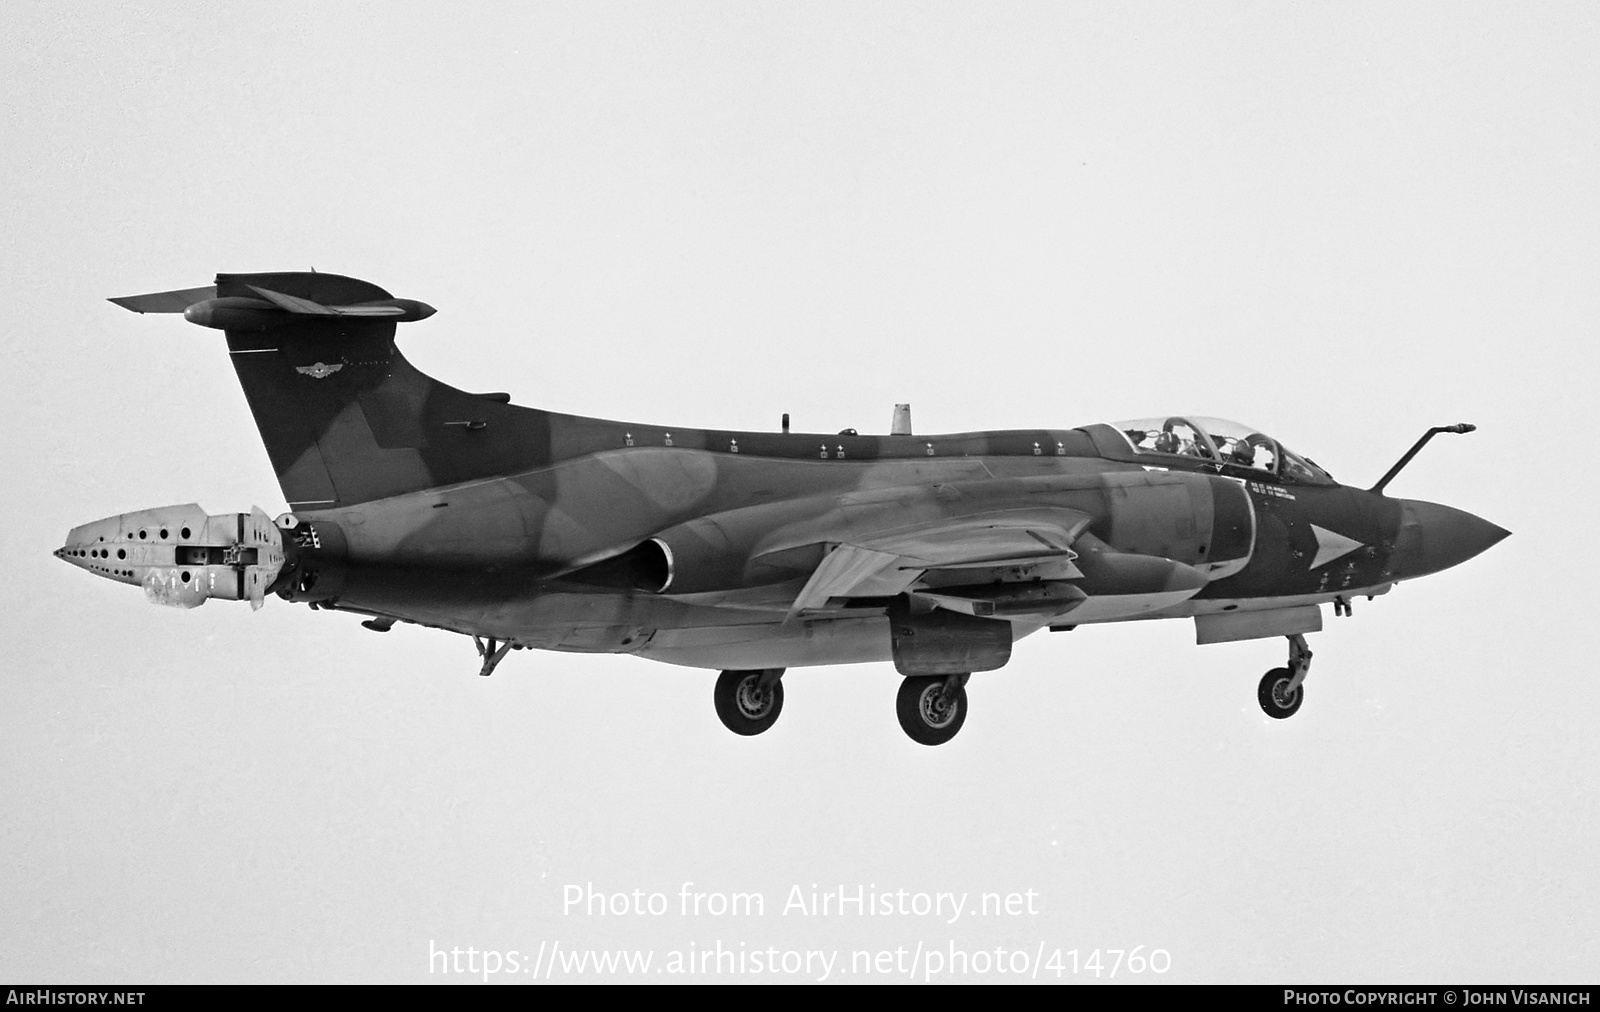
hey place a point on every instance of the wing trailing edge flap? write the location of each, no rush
(887, 564)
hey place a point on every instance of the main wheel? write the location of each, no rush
(1273, 695)
(742, 706)
(925, 715)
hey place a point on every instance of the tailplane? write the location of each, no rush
(345, 418)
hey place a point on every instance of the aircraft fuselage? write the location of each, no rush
(751, 552)
(505, 557)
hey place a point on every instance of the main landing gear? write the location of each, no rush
(1280, 692)
(932, 708)
(748, 702)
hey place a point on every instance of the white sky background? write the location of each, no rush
(1340, 223)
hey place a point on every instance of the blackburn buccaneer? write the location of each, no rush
(748, 552)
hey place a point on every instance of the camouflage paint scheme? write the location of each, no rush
(413, 501)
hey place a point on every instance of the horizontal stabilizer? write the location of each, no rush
(401, 310)
(406, 309)
(166, 302)
(269, 308)
(293, 303)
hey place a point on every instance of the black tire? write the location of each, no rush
(738, 705)
(922, 718)
(1270, 694)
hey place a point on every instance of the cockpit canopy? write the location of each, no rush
(1221, 442)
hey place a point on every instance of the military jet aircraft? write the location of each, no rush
(748, 552)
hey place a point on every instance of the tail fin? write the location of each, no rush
(345, 418)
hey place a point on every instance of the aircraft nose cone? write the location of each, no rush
(1434, 537)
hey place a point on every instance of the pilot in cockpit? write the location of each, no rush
(1242, 453)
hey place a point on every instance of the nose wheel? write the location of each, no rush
(932, 708)
(1282, 690)
(748, 702)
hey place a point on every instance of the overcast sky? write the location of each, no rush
(1341, 223)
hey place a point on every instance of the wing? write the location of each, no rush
(950, 552)
(1029, 565)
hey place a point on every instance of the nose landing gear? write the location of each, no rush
(1281, 692)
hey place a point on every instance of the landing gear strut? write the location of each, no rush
(492, 653)
(1280, 692)
(932, 708)
(748, 702)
